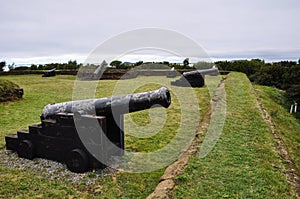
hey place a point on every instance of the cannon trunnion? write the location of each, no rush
(57, 136)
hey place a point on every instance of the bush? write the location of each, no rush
(115, 63)
(281, 74)
(9, 91)
(22, 68)
(294, 93)
(2, 65)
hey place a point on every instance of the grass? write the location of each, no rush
(244, 162)
(20, 184)
(37, 93)
(288, 126)
(40, 91)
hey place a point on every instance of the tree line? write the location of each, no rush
(70, 65)
(145, 65)
(73, 65)
(284, 75)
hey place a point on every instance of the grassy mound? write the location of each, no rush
(243, 163)
(288, 126)
(9, 91)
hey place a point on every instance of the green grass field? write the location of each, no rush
(288, 126)
(243, 164)
(41, 91)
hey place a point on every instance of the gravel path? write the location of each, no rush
(50, 169)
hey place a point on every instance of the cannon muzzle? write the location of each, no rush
(111, 105)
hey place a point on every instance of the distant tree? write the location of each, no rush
(245, 66)
(203, 65)
(293, 92)
(116, 63)
(22, 68)
(166, 63)
(138, 63)
(33, 67)
(71, 65)
(2, 65)
(51, 66)
(40, 67)
(186, 62)
(292, 75)
(125, 65)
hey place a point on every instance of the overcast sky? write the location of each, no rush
(39, 31)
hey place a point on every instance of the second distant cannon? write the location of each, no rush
(195, 78)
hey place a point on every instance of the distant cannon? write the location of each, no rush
(57, 137)
(195, 78)
(172, 73)
(49, 73)
(211, 71)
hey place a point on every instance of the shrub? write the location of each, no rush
(294, 93)
(22, 68)
(9, 91)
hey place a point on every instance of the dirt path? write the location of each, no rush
(292, 173)
(167, 180)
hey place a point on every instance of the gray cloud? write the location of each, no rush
(35, 28)
(269, 55)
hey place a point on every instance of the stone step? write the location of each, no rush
(48, 122)
(23, 134)
(12, 142)
(35, 128)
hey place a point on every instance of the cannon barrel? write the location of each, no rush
(195, 78)
(211, 71)
(111, 105)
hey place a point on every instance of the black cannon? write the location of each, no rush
(57, 137)
(49, 73)
(195, 78)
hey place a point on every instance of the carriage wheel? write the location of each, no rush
(77, 161)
